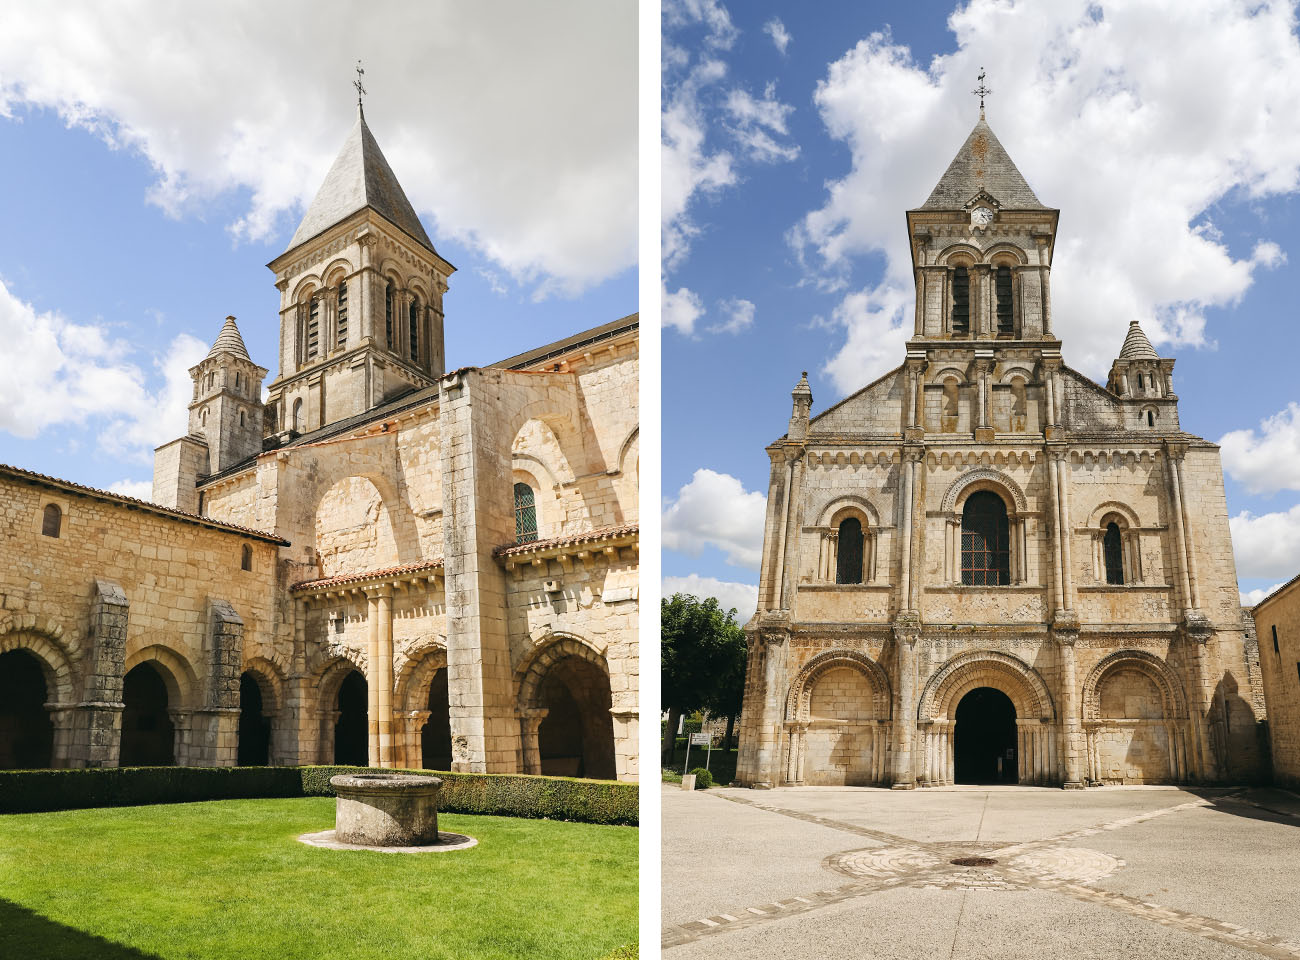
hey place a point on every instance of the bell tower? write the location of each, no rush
(361, 290)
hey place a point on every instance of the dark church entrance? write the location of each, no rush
(351, 738)
(254, 728)
(148, 736)
(26, 734)
(984, 747)
(435, 737)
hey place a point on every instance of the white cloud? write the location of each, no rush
(1267, 461)
(140, 489)
(681, 309)
(740, 316)
(756, 123)
(715, 510)
(1103, 125)
(511, 124)
(694, 168)
(1266, 546)
(775, 29)
(1251, 597)
(742, 596)
(78, 374)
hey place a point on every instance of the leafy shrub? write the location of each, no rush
(510, 795)
(703, 779)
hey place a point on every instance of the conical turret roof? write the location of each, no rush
(360, 177)
(229, 341)
(982, 164)
(1136, 345)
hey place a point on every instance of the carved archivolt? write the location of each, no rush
(985, 668)
(532, 671)
(797, 703)
(1150, 666)
(987, 476)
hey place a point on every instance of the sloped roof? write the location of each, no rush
(982, 164)
(1136, 345)
(360, 177)
(229, 341)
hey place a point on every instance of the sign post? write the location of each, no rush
(699, 740)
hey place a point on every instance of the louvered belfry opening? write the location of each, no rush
(313, 327)
(525, 514)
(342, 337)
(415, 329)
(1113, 552)
(960, 301)
(388, 316)
(985, 541)
(848, 567)
(1006, 321)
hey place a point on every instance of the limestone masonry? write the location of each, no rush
(384, 563)
(1277, 624)
(985, 567)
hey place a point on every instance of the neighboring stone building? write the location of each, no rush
(986, 567)
(1277, 626)
(384, 563)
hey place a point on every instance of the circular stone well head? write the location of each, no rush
(386, 809)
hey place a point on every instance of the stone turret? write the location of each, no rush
(225, 423)
(802, 397)
(1139, 372)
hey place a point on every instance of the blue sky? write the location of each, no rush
(797, 135)
(143, 200)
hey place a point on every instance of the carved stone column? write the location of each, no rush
(97, 727)
(1072, 750)
(1174, 453)
(907, 630)
(530, 720)
(771, 720)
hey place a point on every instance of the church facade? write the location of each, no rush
(985, 567)
(378, 561)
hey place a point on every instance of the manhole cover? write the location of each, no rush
(973, 862)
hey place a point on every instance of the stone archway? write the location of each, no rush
(1135, 721)
(838, 722)
(984, 738)
(351, 726)
(565, 703)
(435, 735)
(1035, 749)
(148, 733)
(26, 733)
(254, 725)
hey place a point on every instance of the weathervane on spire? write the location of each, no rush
(361, 91)
(981, 91)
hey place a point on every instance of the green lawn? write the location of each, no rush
(228, 879)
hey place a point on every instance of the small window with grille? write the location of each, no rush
(985, 541)
(848, 567)
(525, 514)
(313, 327)
(342, 330)
(1113, 552)
(960, 301)
(415, 328)
(1006, 321)
(51, 520)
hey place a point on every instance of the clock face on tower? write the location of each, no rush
(981, 217)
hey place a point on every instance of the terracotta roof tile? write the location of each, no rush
(591, 536)
(347, 578)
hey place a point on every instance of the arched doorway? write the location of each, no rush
(435, 736)
(254, 726)
(351, 736)
(148, 736)
(576, 738)
(984, 746)
(26, 733)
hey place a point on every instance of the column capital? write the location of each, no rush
(1197, 627)
(913, 453)
(907, 628)
(1175, 450)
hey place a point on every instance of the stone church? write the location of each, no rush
(984, 567)
(370, 560)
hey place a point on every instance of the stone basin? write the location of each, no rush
(386, 809)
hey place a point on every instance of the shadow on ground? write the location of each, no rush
(1268, 804)
(26, 934)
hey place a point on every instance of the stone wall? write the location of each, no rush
(1277, 625)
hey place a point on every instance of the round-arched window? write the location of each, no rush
(848, 566)
(985, 541)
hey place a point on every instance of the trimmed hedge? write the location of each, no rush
(508, 795)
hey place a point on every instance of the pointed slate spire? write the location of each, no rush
(229, 341)
(360, 177)
(982, 163)
(1136, 345)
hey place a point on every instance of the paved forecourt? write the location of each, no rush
(862, 872)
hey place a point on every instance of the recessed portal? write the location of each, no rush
(577, 737)
(254, 728)
(984, 745)
(148, 736)
(351, 738)
(435, 737)
(26, 734)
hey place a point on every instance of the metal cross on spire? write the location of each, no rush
(361, 91)
(981, 91)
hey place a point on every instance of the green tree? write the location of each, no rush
(703, 661)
